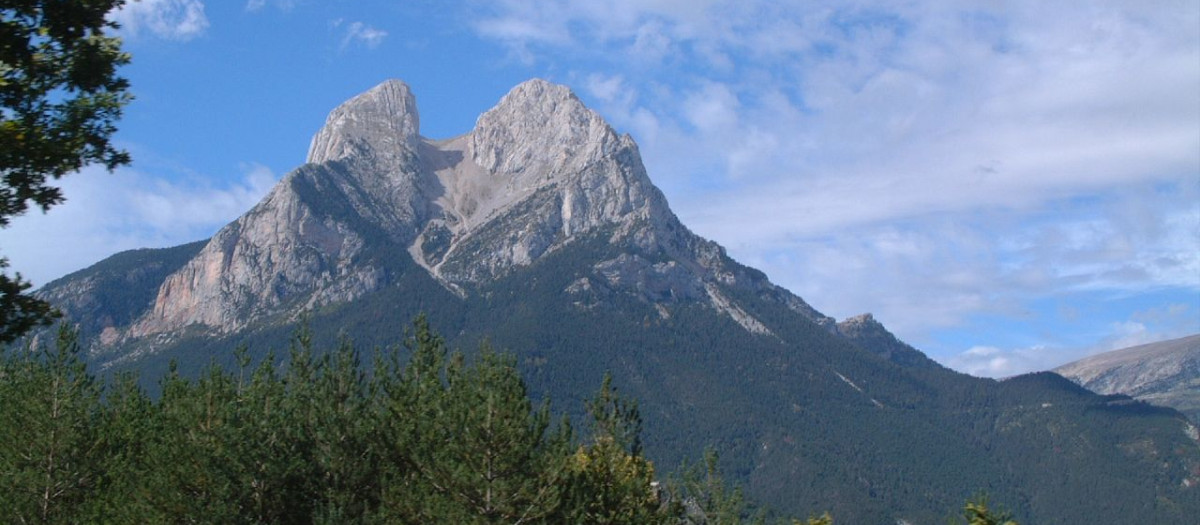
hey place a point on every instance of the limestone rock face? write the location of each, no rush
(544, 224)
(382, 122)
(539, 172)
(105, 298)
(285, 250)
(540, 129)
(302, 245)
(1165, 373)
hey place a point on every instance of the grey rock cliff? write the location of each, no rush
(541, 231)
(382, 122)
(301, 245)
(538, 172)
(1166, 373)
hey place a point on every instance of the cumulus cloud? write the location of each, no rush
(928, 162)
(107, 213)
(259, 5)
(605, 87)
(989, 361)
(989, 106)
(1170, 321)
(180, 20)
(358, 33)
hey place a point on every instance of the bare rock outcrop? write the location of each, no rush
(285, 250)
(538, 172)
(301, 245)
(869, 334)
(381, 123)
(1166, 373)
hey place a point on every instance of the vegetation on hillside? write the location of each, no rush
(420, 436)
(789, 429)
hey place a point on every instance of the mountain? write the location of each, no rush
(1166, 373)
(541, 231)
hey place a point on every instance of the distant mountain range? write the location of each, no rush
(1166, 373)
(541, 231)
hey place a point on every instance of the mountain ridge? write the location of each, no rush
(1165, 373)
(541, 231)
(539, 170)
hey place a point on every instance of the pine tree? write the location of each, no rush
(126, 423)
(704, 497)
(439, 440)
(609, 480)
(411, 399)
(705, 492)
(976, 512)
(345, 459)
(464, 441)
(49, 407)
(501, 463)
(191, 453)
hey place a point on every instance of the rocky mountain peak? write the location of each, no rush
(548, 233)
(539, 172)
(858, 322)
(869, 334)
(543, 127)
(381, 122)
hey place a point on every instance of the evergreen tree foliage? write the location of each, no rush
(608, 480)
(976, 512)
(464, 441)
(705, 493)
(126, 420)
(60, 97)
(703, 497)
(49, 410)
(422, 436)
(19, 311)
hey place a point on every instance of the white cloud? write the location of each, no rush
(928, 272)
(606, 88)
(1169, 321)
(925, 161)
(1146, 326)
(521, 23)
(358, 33)
(180, 20)
(910, 97)
(988, 361)
(107, 213)
(259, 5)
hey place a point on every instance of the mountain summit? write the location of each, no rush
(381, 122)
(541, 231)
(538, 172)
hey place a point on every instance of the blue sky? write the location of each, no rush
(1008, 186)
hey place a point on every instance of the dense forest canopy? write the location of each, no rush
(421, 435)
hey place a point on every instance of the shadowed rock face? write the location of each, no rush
(1166, 373)
(538, 172)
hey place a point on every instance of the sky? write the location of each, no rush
(1006, 185)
